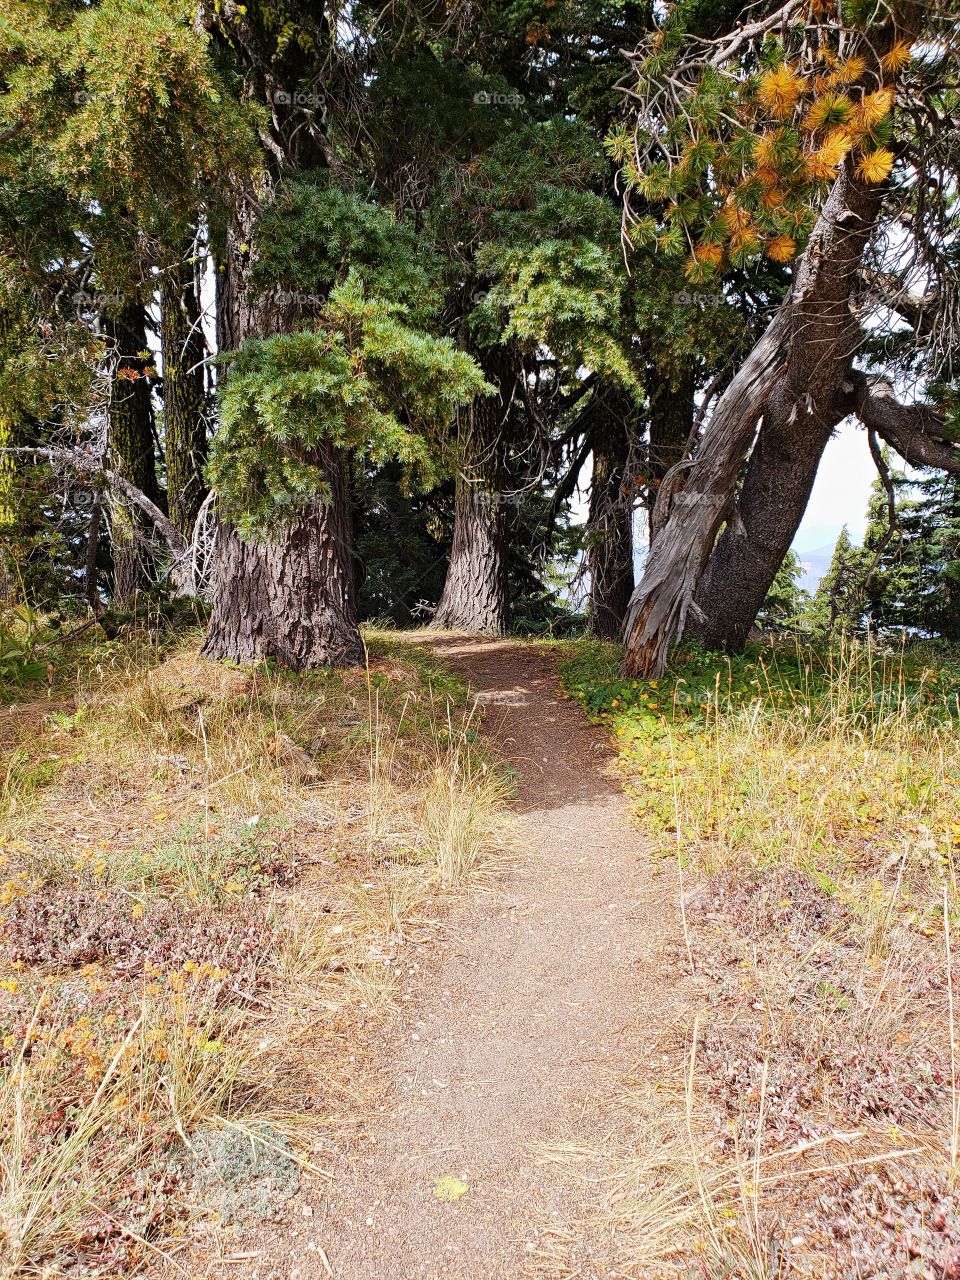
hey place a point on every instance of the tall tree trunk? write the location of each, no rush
(475, 596)
(131, 448)
(748, 555)
(9, 439)
(671, 422)
(184, 397)
(291, 597)
(800, 369)
(610, 519)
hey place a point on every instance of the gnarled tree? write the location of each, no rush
(794, 128)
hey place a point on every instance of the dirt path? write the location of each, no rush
(549, 987)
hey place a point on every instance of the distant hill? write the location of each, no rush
(814, 564)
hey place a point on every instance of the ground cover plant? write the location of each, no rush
(211, 880)
(808, 802)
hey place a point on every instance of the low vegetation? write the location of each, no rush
(212, 881)
(809, 803)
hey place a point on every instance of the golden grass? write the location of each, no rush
(813, 807)
(302, 809)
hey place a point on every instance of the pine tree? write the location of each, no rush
(778, 140)
(839, 600)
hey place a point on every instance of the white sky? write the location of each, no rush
(841, 492)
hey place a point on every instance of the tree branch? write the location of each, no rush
(916, 431)
(181, 569)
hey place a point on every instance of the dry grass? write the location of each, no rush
(210, 880)
(808, 1122)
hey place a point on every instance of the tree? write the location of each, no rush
(915, 583)
(130, 442)
(790, 142)
(292, 407)
(787, 604)
(185, 415)
(609, 531)
(839, 599)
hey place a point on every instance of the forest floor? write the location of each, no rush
(546, 989)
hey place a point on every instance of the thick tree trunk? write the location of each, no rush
(751, 548)
(131, 448)
(475, 596)
(184, 396)
(291, 599)
(690, 508)
(610, 519)
(800, 368)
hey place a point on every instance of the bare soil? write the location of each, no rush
(550, 987)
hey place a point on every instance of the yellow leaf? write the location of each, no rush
(874, 108)
(709, 253)
(850, 70)
(450, 1189)
(830, 109)
(823, 164)
(875, 166)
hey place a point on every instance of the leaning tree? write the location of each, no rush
(793, 133)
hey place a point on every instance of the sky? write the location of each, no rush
(841, 492)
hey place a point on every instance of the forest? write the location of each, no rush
(442, 830)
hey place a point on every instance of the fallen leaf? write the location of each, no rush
(450, 1189)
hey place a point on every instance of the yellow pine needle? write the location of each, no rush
(875, 107)
(830, 109)
(781, 248)
(897, 58)
(850, 70)
(780, 90)
(876, 165)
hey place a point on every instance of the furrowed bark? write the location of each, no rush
(690, 507)
(751, 548)
(475, 596)
(290, 597)
(798, 370)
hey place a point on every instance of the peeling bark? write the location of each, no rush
(796, 372)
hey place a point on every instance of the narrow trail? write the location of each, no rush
(549, 987)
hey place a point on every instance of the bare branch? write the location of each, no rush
(916, 431)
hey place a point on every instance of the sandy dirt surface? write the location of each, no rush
(549, 988)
